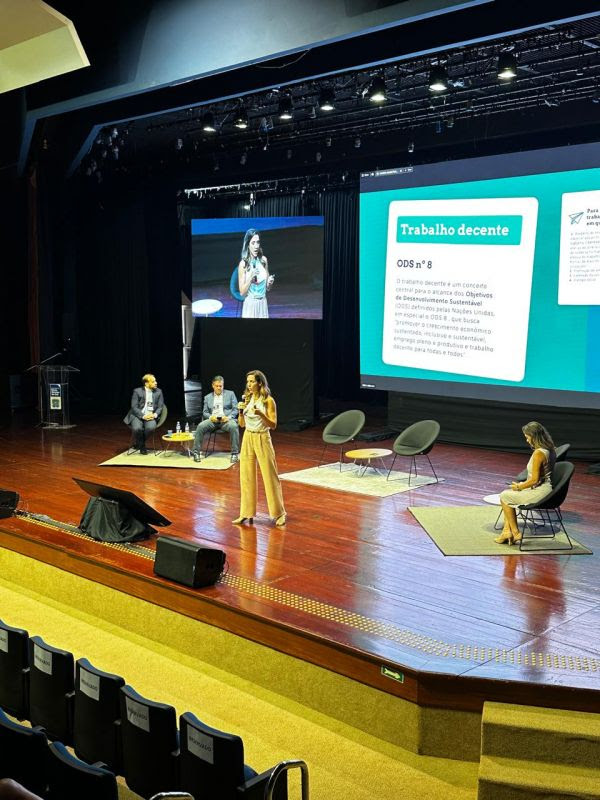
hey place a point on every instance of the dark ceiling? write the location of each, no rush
(557, 87)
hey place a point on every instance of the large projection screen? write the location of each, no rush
(480, 278)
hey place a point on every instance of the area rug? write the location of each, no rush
(469, 531)
(172, 459)
(350, 479)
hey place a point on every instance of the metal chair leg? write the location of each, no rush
(413, 463)
(392, 467)
(529, 522)
(432, 469)
(322, 454)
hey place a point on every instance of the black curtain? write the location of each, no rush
(126, 296)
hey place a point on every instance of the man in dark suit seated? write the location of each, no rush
(146, 406)
(220, 412)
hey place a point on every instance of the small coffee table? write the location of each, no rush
(367, 454)
(184, 439)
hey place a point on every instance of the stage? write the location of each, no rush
(353, 583)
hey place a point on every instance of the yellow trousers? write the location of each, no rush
(259, 447)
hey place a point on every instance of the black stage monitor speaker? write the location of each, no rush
(8, 502)
(187, 563)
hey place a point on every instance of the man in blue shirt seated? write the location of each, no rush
(219, 413)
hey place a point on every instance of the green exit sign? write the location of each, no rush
(394, 674)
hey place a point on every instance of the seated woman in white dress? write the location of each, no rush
(537, 486)
(253, 277)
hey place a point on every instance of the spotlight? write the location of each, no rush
(357, 142)
(208, 122)
(507, 67)
(376, 91)
(288, 153)
(179, 144)
(246, 206)
(438, 126)
(438, 79)
(241, 120)
(328, 141)
(327, 99)
(411, 147)
(286, 111)
(318, 156)
(243, 159)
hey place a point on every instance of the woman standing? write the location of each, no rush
(253, 277)
(258, 415)
(537, 486)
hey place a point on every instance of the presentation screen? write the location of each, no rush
(480, 278)
(264, 267)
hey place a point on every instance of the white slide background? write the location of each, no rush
(425, 323)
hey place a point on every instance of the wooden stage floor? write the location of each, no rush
(353, 583)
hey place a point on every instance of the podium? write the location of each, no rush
(53, 395)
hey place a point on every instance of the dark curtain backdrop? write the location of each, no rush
(110, 290)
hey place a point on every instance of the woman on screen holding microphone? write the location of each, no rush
(258, 415)
(253, 277)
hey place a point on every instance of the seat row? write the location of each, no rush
(113, 731)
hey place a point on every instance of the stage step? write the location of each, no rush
(538, 752)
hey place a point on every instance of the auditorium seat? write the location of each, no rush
(51, 689)
(97, 715)
(212, 764)
(14, 671)
(23, 754)
(341, 429)
(150, 744)
(416, 440)
(69, 778)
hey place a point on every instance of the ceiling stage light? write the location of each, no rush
(286, 111)
(507, 67)
(327, 99)
(438, 79)
(241, 120)
(376, 91)
(208, 122)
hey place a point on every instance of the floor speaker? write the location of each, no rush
(8, 502)
(187, 563)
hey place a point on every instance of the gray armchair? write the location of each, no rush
(341, 429)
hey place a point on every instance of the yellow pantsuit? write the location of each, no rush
(257, 446)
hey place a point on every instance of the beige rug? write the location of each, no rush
(351, 480)
(469, 531)
(172, 458)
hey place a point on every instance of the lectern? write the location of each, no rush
(53, 394)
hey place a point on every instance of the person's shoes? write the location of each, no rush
(241, 520)
(506, 538)
(281, 520)
(197, 456)
(234, 458)
(143, 451)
